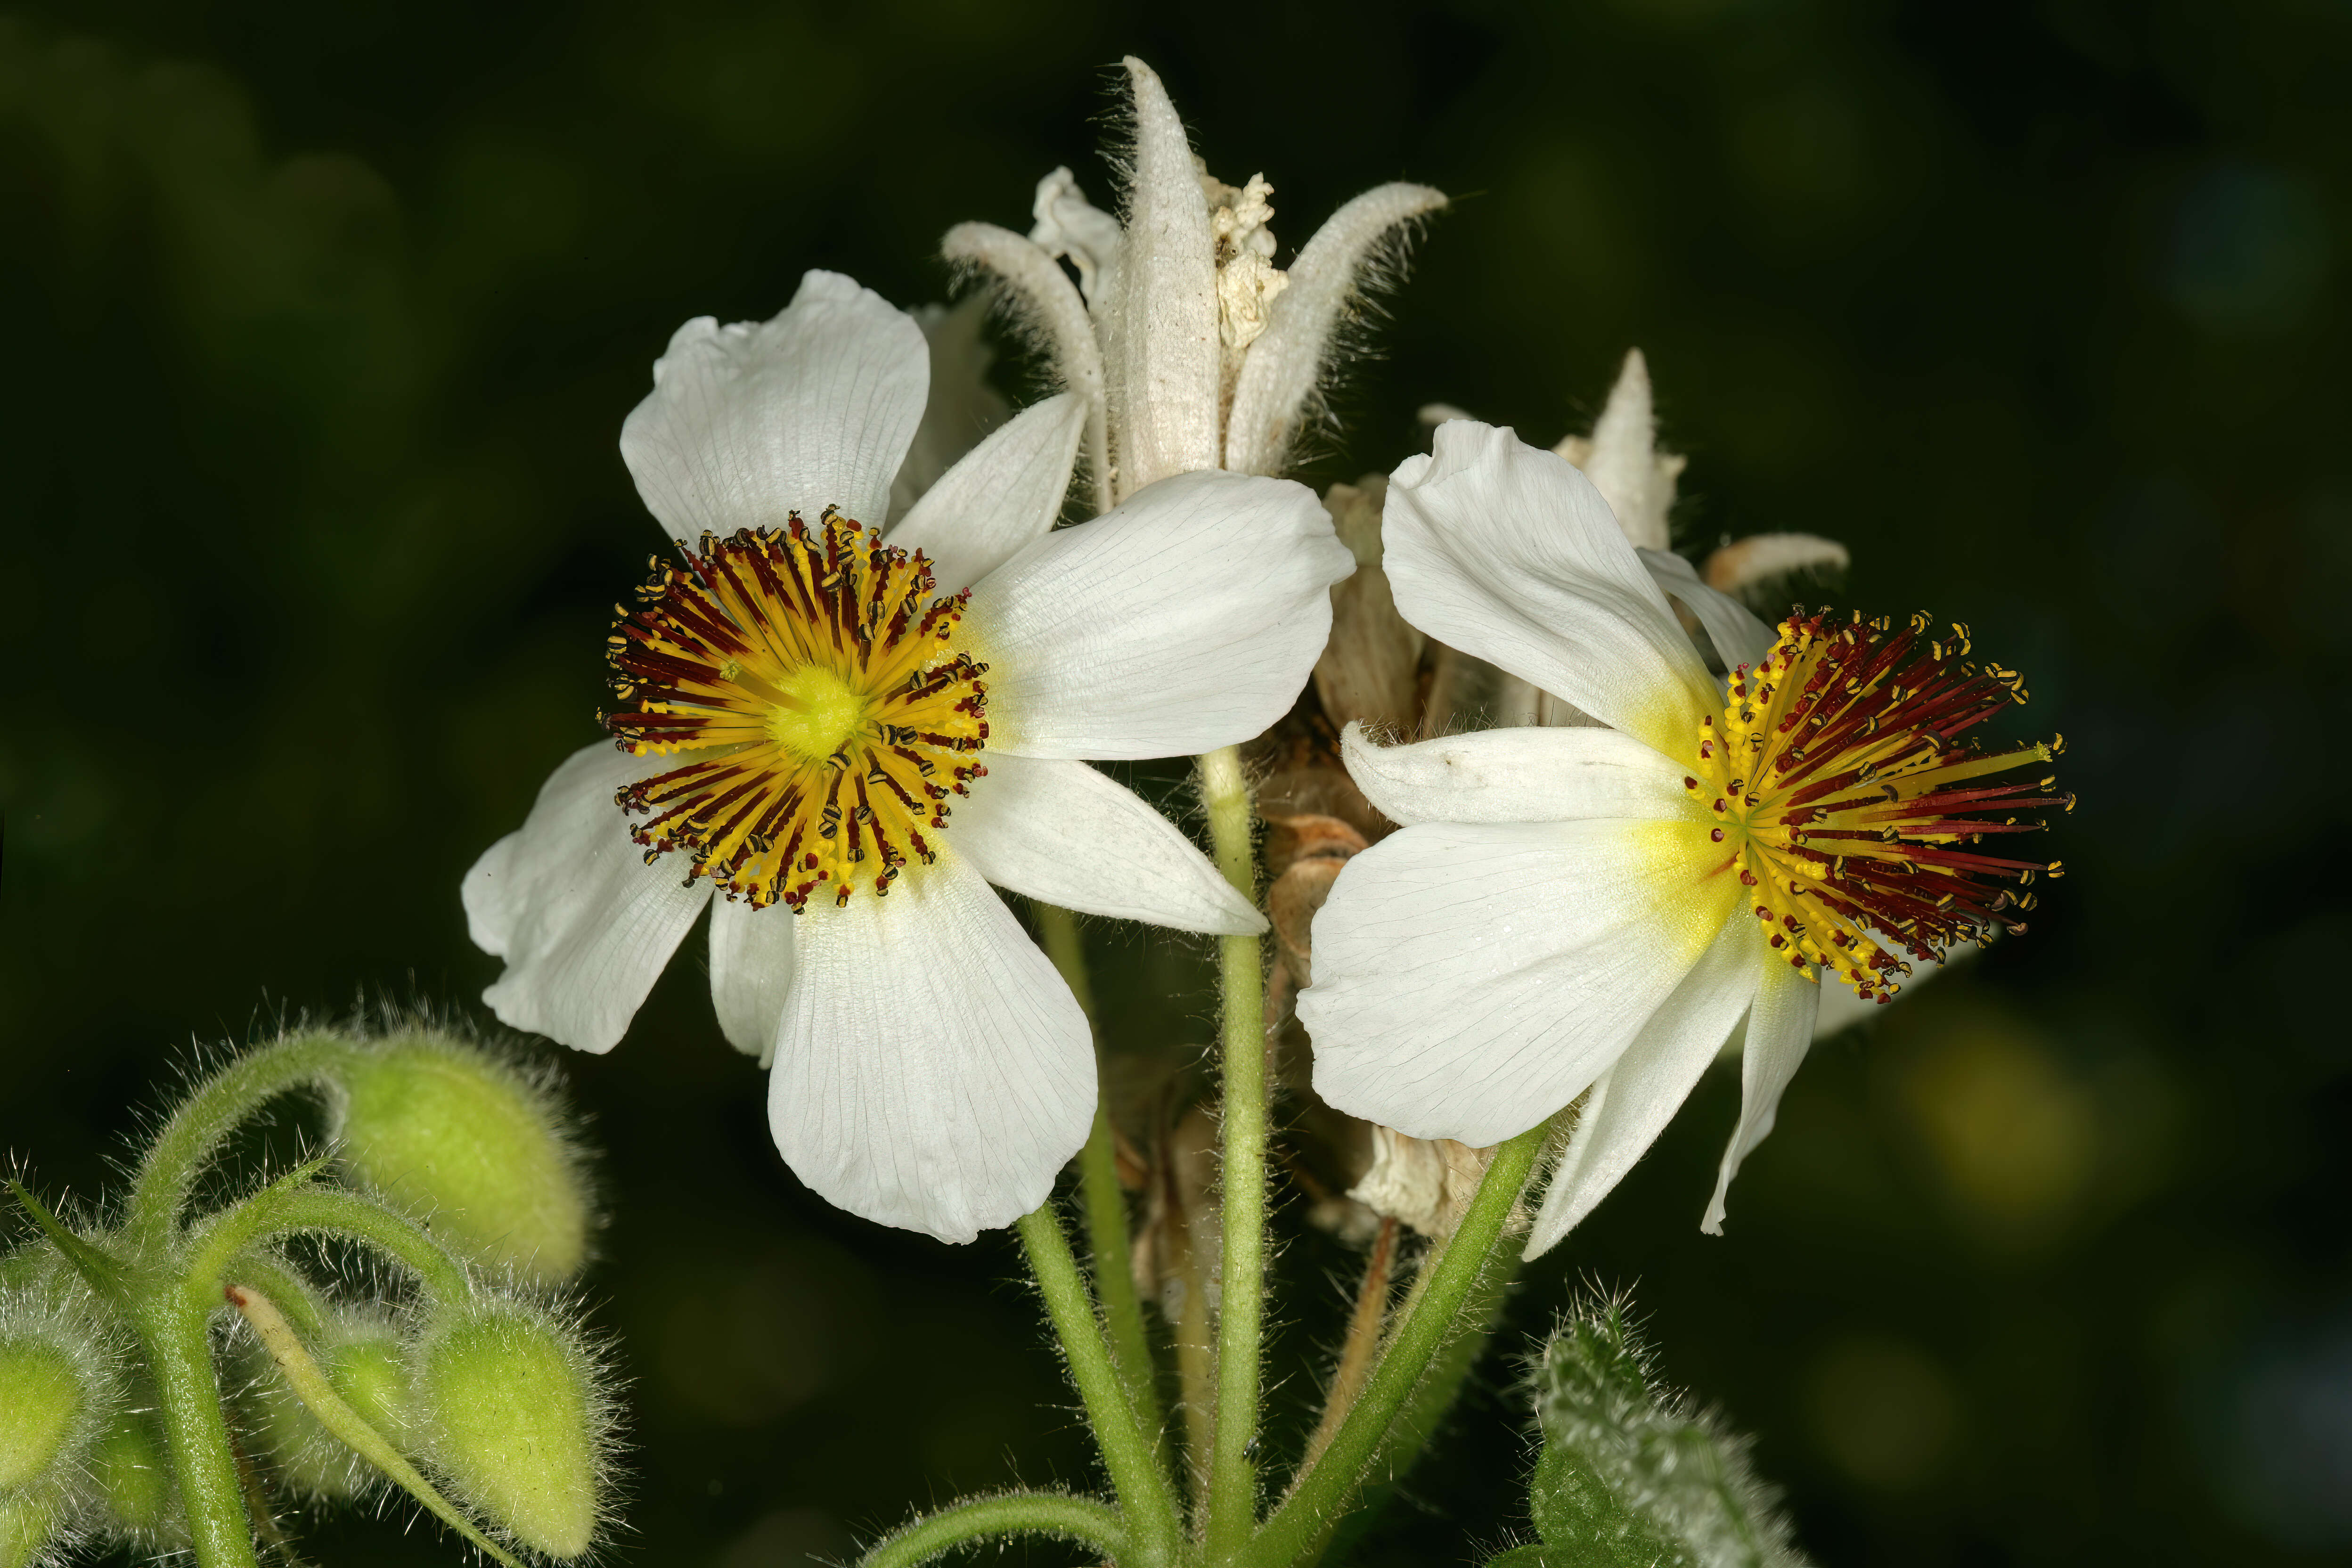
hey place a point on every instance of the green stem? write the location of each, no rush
(281, 1210)
(1128, 1451)
(1105, 1200)
(174, 1330)
(1241, 971)
(1016, 1513)
(209, 1115)
(1325, 1492)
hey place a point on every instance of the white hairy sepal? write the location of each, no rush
(62, 1387)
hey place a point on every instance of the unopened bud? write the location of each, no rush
(448, 1130)
(367, 1366)
(42, 1402)
(127, 1465)
(27, 1527)
(511, 1412)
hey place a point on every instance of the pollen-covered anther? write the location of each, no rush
(1854, 794)
(813, 684)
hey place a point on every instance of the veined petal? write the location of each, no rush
(1470, 980)
(1006, 493)
(1165, 355)
(1507, 552)
(1738, 637)
(751, 963)
(1278, 378)
(1518, 776)
(1062, 832)
(1044, 305)
(568, 901)
(749, 423)
(1185, 619)
(1633, 1101)
(1779, 1033)
(933, 1071)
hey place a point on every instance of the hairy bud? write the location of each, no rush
(366, 1362)
(510, 1409)
(132, 1477)
(60, 1387)
(1631, 1474)
(447, 1129)
(28, 1527)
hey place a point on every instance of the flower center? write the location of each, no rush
(817, 685)
(1849, 807)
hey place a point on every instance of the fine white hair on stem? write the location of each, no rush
(1356, 249)
(1042, 305)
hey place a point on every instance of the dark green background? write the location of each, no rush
(320, 322)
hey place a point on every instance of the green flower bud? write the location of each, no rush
(367, 1365)
(513, 1415)
(27, 1527)
(43, 1402)
(127, 1465)
(476, 1148)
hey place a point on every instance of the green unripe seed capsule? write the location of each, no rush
(510, 1409)
(41, 1401)
(128, 1464)
(451, 1131)
(25, 1526)
(368, 1370)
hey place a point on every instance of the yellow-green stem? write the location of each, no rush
(1233, 1479)
(1014, 1514)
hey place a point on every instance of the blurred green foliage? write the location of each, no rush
(320, 322)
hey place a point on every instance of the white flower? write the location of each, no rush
(1189, 347)
(802, 704)
(1595, 909)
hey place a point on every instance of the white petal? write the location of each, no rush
(932, 1072)
(961, 407)
(1062, 832)
(749, 423)
(1633, 1101)
(1185, 619)
(1518, 776)
(751, 973)
(568, 901)
(1045, 307)
(1779, 1033)
(1069, 224)
(1470, 980)
(1163, 354)
(1507, 552)
(1278, 377)
(1737, 635)
(1004, 494)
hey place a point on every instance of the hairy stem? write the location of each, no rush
(174, 1330)
(311, 1386)
(1105, 1200)
(1331, 1487)
(1241, 968)
(1364, 1327)
(189, 1140)
(1128, 1451)
(1016, 1513)
(284, 1208)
